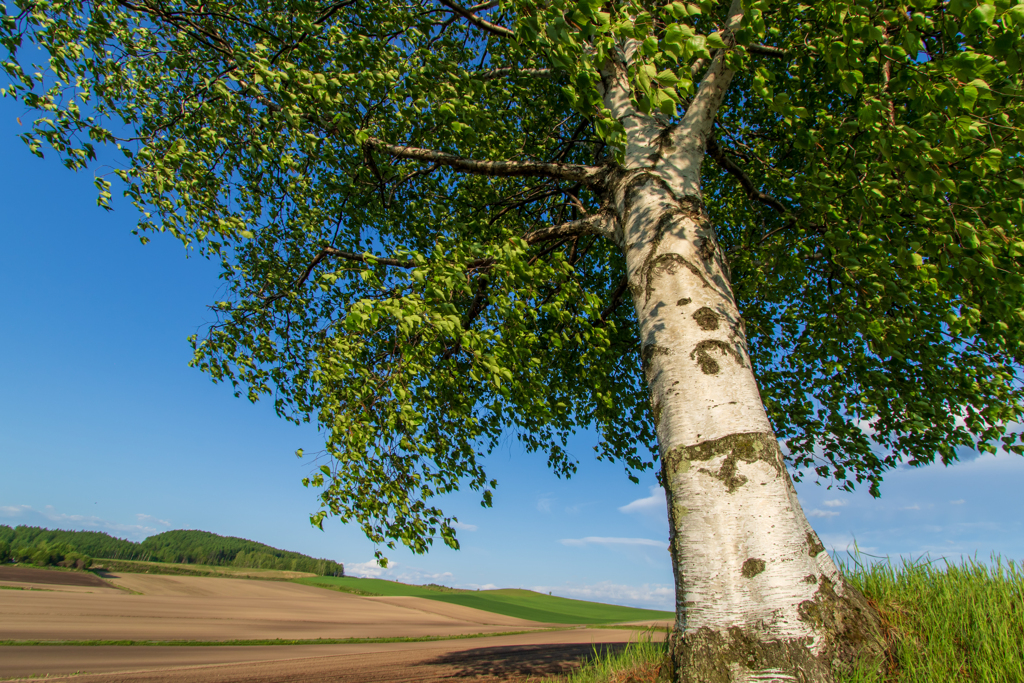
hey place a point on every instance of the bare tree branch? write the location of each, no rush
(729, 166)
(477, 21)
(587, 175)
(616, 299)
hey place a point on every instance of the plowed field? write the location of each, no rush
(186, 608)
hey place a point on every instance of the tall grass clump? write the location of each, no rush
(944, 621)
(638, 662)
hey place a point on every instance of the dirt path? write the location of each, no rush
(495, 658)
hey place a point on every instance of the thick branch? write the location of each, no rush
(477, 21)
(767, 51)
(600, 223)
(500, 72)
(587, 175)
(696, 123)
(729, 166)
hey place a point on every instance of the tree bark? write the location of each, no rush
(757, 596)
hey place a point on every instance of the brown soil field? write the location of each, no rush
(168, 608)
(49, 576)
(493, 658)
(218, 609)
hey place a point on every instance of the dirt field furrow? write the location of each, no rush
(188, 608)
(489, 659)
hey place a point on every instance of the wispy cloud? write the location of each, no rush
(648, 595)
(822, 513)
(544, 504)
(464, 527)
(835, 503)
(654, 503)
(957, 502)
(49, 516)
(606, 540)
(396, 572)
(911, 507)
(143, 518)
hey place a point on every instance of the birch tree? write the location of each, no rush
(699, 229)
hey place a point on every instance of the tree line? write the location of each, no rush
(51, 547)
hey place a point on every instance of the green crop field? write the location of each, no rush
(522, 604)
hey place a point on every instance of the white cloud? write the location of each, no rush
(822, 513)
(544, 504)
(654, 503)
(464, 527)
(368, 570)
(911, 507)
(478, 586)
(957, 502)
(835, 503)
(142, 518)
(604, 540)
(648, 595)
(371, 570)
(49, 516)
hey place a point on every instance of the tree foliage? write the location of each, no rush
(413, 300)
(25, 543)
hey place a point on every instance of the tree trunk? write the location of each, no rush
(757, 596)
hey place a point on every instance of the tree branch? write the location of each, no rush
(767, 51)
(500, 72)
(600, 223)
(616, 299)
(730, 167)
(588, 175)
(477, 21)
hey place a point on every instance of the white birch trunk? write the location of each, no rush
(758, 598)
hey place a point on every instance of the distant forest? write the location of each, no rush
(22, 543)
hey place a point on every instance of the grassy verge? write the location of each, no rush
(522, 604)
(955, 623)
(946, 622)
(173, 569)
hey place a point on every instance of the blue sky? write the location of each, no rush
(104, 426)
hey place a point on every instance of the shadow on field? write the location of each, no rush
(522, 660)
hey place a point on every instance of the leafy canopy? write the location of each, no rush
(865, 178)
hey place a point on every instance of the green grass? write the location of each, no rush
(638, 662)
(176, 569)
(944, 623)
(522, 604)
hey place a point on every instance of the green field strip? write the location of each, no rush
(273, 641)
(521, 604)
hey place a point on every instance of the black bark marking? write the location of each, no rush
(706, 318)
(707, 248)
(814, 545)
(656, 409)
(685, 301)
(810, 578)
(647, 353)
(708, 365)
(752, 567)
(668, 263)
(750, 448)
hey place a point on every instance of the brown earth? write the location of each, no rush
(49, 576)
(167, 608)
(493, 658)
(219, 609)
